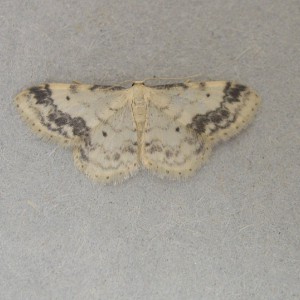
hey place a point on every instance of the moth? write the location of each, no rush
(114, 131)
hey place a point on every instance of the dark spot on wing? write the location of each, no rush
(216, 118)
(79, 126)
(42, 94)
(68, 98)
(224, 113)
(104, 133)
(60, 121)
(199, 123)
(177, 129)
(219, 118)
(232, 92)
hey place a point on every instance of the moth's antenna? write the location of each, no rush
(173, 78)
(118, 84)
(156, 78)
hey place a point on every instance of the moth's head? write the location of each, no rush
(138, 83)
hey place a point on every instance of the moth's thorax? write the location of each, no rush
(139, 105)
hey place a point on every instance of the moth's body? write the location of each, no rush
(169, 129)
(138, 104)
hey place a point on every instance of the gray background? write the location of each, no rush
(230, 232)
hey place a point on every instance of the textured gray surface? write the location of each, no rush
(230, 232)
